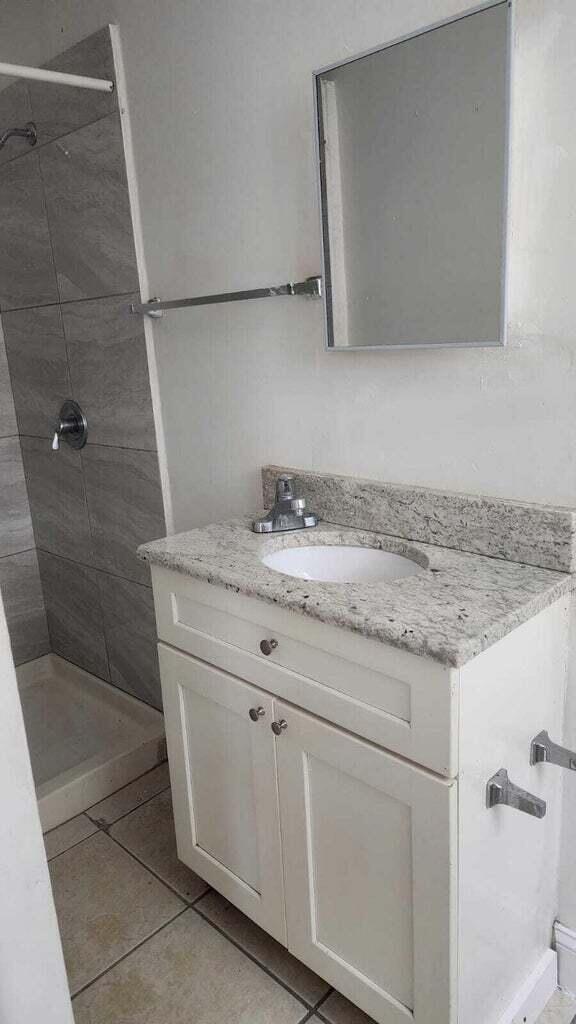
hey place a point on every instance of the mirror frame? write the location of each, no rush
(322, 191)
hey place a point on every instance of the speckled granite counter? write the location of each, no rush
(458, 605)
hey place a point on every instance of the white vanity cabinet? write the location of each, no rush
(333, 789)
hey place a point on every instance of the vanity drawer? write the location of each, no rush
(395, 699)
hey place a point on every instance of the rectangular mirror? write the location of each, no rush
(413, 162)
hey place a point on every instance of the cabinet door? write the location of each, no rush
(223, 773)
(369, 871)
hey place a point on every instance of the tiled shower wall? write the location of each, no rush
(67, 277)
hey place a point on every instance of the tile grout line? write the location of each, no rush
(321, 1001)
(308, 1016)
(319, 1011)
(67, 302)
(97, 830)
(188, 903)
(11, 554)
(89, 521)
(86, 507)
(192, 905)
(74, 845)
(97, 826)
(124, 786)
(48, 225)
(89, 444)
(106, 826)
(92, 568)
(130, 951)
(310, 1010)
(252, 957)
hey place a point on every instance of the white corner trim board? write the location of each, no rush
(535, 993)
(537, 990)
(135, 209)
(565, 942)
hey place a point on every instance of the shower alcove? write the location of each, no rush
(78, 601)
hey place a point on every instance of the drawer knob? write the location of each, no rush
(279, 727)
(256, 713)
(267, 646)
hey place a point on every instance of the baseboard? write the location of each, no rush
(565, 942)
(538, 988)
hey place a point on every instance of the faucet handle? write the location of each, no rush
(284, 488)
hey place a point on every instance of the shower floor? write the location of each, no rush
(86, 738)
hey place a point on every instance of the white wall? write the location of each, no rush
(221, 103)
(33, 984)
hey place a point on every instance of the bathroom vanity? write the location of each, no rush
(333, 749)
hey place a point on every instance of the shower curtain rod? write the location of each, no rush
(56, 77)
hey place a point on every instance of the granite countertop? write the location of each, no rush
(456, 607)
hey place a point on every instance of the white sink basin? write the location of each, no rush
(340, 563)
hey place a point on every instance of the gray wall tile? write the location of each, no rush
(15, 522)
(58, 109)
(125, 507)
(27, 275)
(8, 427)
(24, 605)
(109, 371)
(73, 611)
(57, 499)
(38, 367)
(15, 111)
(89, 213)
(130, 631)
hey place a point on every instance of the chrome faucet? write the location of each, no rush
(287, 512)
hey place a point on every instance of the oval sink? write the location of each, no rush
(340, 563)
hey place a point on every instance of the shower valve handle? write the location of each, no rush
(63, 428)
(72, 426)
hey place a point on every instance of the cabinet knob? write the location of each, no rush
(267, 646)
(279, 727)
(256, 713)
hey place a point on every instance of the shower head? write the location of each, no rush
(27, 132)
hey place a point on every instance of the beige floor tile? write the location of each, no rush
(338, 1010)
(187, 974)
(106, 903)
(560, 1010)
(267, 951)
(148, 832)
(127, 799)
(68, 834)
